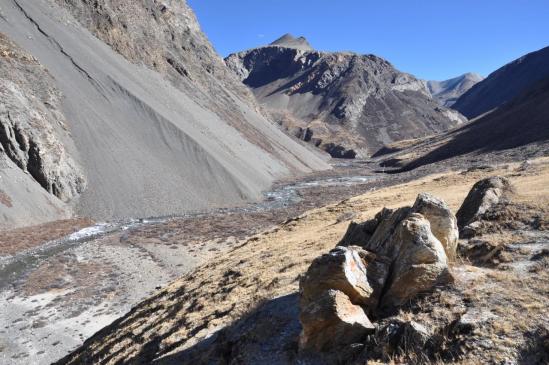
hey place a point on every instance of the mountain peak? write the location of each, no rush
(288, 40)
(472, 76)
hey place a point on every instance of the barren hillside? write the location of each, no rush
(345, 103)
(242, 307)
(159, 125)
(504, 84)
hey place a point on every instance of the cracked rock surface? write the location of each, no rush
(34, 138)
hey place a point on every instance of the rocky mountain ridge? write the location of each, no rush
(289, 41)
(448, 91)
(518, 127)
(347, 104)
(505, 84)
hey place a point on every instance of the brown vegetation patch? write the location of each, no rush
(16, 240)
(269, 266)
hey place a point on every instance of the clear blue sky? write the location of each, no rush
(432, 39)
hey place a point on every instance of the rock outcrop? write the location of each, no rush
(344, 103)
(419, 262)
(373, 233)
(483, 196)
(443, 222)
(378, 266)
(32, 125)
(34, 142)
(448, 91)
(351, 270)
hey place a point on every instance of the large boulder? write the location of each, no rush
(443, 222)
(381, 264)
(380, 242)
(355, 272)
(374, 234)
(484, 195)
(332, 320)
(419, 265)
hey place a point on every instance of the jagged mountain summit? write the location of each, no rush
(139, 116)
(289, 41)
(345, 103)
(448, 91)
(505, 84)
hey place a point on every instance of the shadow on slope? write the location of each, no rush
(521, 122)
(505, 84)
(267, 335)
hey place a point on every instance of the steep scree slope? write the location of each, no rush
(160, 124)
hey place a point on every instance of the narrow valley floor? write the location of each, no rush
(62, 282)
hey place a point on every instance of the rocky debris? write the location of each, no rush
(348, 104)
(448, 91)
(478, 251)
(536, 350)
(473, 319)
(484, 195)
(402, 336)
(32, 126)
(380, 265)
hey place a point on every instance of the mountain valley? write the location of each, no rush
(160, 204)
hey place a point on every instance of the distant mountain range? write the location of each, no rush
(448, 91)
(505, 84)
(511, 111)
(345, 103)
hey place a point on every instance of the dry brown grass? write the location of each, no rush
(13, 241)
(269, 266)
